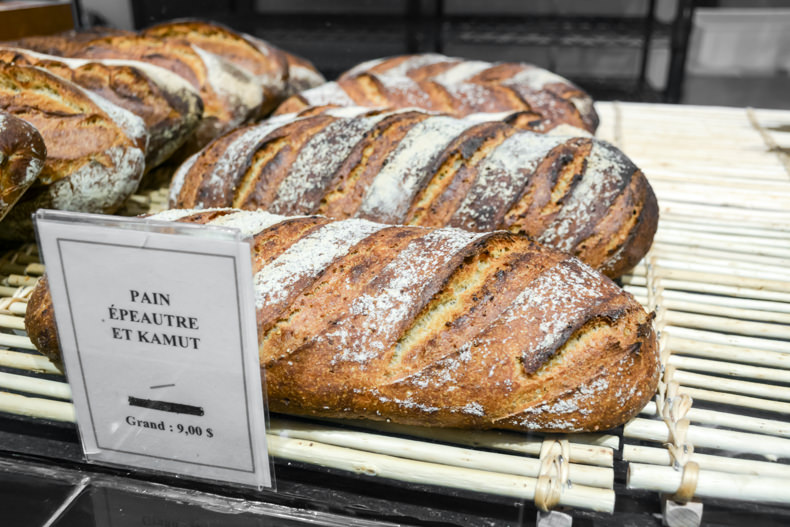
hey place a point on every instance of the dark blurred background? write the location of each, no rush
(723, 52)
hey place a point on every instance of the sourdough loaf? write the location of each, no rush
(169, 106)
(555, 97)
(22, 154)
(230, 95)
(267, 64)
(438, 327)
(95, 150)
(577, 194)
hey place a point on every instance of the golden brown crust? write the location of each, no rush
(92, 165)
(67, 43)
(269, 66)
(481, 87)
(578, 194)
(22, 155)
(170, 113)
(434, 327)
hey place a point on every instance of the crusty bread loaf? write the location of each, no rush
(437, 327)
(22, 154)
(266, 63)
(95, 150)
(169, 106)
(231, 96)
(577, 194)
(553, 96)
(65, 43)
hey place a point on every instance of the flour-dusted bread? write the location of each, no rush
(438, 327)
(267, 64)
(65, 43)
(169, 106)
(577, 194)
(555, 97)
(95, 150)
(22, 154)
(231, 96)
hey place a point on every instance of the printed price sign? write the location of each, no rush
(156, 323)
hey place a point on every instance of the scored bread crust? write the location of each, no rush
(437, 327)
(170, 107)
(230, 95)
(578, 194)
(22, 155)
(540, 88)
(92, 162)
(266, 63)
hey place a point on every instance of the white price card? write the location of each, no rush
(156, 322)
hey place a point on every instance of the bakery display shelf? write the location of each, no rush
(542, 30)
(718, 278)
(490, 467)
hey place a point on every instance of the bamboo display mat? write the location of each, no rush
(718, 279)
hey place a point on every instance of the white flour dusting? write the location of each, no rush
(393, 189)
(329, 93)
(462, 71)
(308, 257)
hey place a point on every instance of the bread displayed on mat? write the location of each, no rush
(231, 96)
(95, 149)
(170, 107)
(266, 63)
(552, 100)
(539, 88)
(22, 154)
(576, 194)
(64, 43)
(435, 327)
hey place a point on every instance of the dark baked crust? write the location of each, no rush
(577, 194)
(22, 155)
(92, 165)
(171, 114)
(435, 327)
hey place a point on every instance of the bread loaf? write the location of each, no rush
(555, 97)
(65, 43)
(265, 63)
(231, 96)
(437, 327)
(22, 154)
(577, 194)
(169, 106)
(95, 150)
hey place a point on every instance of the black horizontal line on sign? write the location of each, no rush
(176, 408)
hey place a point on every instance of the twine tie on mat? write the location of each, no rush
(553, 473)
(22, 294)
(784, 158)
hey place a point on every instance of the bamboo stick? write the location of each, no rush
(727, 325)
(16, 341)
(590, 454)
(27, 361)
(730, 340)
(730, 420)
(385, 466)
(711, 484)
(749, 216)
(768, 391)
(21, 383)
(730, 353)
(12, 322)
(716, 240)
(771, 278)
(446, 455)
(744, 257)
(420, 472)
(7, 290)
(729, 368)
(660, 456)
(699, 436)
(36, 407)
(713, 288)
(737, 229)
(20, 281)
(724, 199)
(736, 400)
(17, 308)
(724, 262)
(744, 305)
